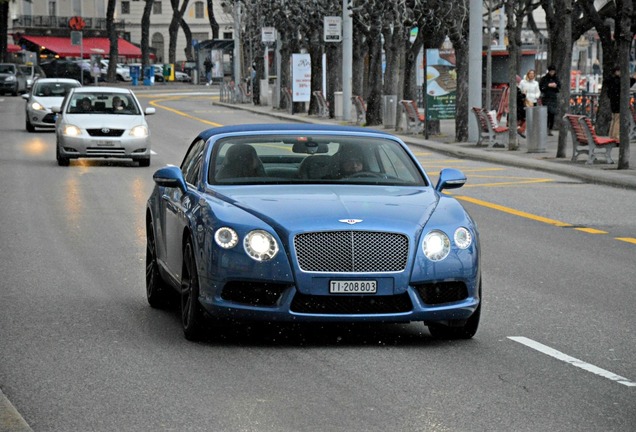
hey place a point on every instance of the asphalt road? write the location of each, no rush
(81, 350)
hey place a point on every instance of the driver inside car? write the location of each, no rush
(351, 161)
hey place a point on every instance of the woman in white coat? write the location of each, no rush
(530, 88)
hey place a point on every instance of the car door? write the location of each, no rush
(178, 206)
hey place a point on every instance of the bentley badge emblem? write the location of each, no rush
(350, 221)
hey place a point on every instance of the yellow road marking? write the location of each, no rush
(514, 212)
(591, 230)
(627, 239)
(156, 103)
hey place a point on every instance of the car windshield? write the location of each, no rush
(53, 89)
(303, 159)
(28, 70)
(7, 69)
(103, 103)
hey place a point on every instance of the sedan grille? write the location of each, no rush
(351, 251)
(351, 305)
(105, 132)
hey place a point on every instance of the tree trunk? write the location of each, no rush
(461, 108)
(625, 37)
(188, 35)
(4, 27)
(374, 101)
(113, 55)
(145, 36)
(213, 24)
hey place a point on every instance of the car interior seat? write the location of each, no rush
(240, 161)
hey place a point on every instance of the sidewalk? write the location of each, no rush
(599, 172)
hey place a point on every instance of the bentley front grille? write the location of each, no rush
(352, 251)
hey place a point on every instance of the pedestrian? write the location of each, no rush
(256, 87)
(530, 88)
(596, 67)
(613, 85)
(521, 110)
(207, 65)
(550, 86)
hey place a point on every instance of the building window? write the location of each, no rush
(76, 6)
(156, 8)
(52, 8)
(198, 9)
(125, 7)
(26, 8)
(228, 35)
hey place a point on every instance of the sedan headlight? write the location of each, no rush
(226, 237)
(260, 245)
(436, 245)
(70, 130)
(10, 78)
(139, 132)
(36, 106)
(463, 238)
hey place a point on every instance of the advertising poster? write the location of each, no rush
(301, 77)
(441, 84)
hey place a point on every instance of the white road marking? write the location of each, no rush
(573, 361)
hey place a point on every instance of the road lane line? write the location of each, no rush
(571, 360)
(627, 239)
(591, 230)
(156, 103)
(513, 211)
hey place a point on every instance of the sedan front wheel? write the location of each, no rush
(191, 312)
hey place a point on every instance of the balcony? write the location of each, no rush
(58, 26)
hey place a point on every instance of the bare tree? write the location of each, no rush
(4, 26)
(213, 24)
(145, 35)
(173, 28)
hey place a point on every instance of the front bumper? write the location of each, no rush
(103, 147)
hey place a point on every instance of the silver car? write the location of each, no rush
(102, 122)
(45, 94)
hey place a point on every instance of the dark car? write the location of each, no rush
(64, 69)
(32, 72)
(12, 79)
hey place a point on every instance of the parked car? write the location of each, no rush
(12, 80)
(64, 69)
(92, 124)
(311, 223)
(122, 71)
(32, 72)
(182, 76)
(45, 94)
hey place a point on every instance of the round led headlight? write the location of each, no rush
(436, 245)
(70, 130)
(463, 238)
(226, 237)
(260, 245)
(36, 106)
(139, 131)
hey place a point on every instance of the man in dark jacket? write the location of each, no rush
(550, 85)
(613, 85)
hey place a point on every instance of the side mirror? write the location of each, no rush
(170, 176)
(25, 96)
(150, 111)
(56, 109)
(450, 178)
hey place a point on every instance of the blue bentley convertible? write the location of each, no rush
(311, 223)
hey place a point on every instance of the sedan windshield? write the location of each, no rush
(53, 89)
(103, 103)
(306, 159)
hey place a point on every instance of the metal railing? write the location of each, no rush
(46, 21)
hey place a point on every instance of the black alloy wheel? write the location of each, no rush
(157, 291)
(191, 313)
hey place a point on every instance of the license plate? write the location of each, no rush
(104, 143)
(353, 287)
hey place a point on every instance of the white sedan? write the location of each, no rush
(45, 94)
(102, 122)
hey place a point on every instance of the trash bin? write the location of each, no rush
(149, 75)
(337, 105)
(168, 72)
(537, 128)
(389, 110)
(134, 74)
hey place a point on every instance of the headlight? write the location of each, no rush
(260, 245)
(436, 246)
(36, 106)
(10, 78)
(70, 130)
(226, 237)
(463, 238)
(139, 131)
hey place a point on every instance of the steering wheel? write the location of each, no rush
(362, 174)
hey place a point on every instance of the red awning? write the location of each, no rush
(62, 46)
(11, 48)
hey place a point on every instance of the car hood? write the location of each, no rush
(332, 207)
(94, 121)
(5, 75)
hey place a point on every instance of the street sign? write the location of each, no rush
(268, 35)
(332, 29)
(76, 23)
(76, 38)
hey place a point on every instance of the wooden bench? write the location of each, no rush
(323, 104)
(489, 129)
(414, 119)
(585, 140)
(361, 109)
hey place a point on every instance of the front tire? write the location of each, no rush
(30, 127)
(61, 160)
(191, 312)
(450, 331)
(145, 162)
(157, 291)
